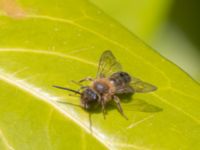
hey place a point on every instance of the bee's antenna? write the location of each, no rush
(63, 88)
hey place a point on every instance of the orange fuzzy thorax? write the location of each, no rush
(107, 95)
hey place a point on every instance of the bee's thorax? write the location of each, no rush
(103, 86)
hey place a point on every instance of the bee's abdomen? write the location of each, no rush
(120, 78)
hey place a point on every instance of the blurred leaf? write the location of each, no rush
(176, 46)
(185, 15)
(45, 43)
(143, 18)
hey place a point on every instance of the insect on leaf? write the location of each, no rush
(51, 42)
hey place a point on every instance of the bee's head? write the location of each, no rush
(88, 98)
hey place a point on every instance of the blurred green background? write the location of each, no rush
(171, 27)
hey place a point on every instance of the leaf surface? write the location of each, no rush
(45, 43)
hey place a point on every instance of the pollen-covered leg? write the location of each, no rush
(117, 101)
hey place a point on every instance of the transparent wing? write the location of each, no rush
(108, 65)
(125, 90)
(140, 86)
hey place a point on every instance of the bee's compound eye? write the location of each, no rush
(91, 95)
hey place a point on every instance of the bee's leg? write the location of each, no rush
(86, 79)
(90, 121)
(117, 101)
(102, 103)
(77, 83)
(103, 109)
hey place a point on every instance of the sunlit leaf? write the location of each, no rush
(45, 43)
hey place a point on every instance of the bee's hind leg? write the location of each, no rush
(117, 101)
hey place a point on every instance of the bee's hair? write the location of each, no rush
(64, 88)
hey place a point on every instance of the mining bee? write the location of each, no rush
(110, 82)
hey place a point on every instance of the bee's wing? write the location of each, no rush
(124, 90)
(140, 86)
(108, 65)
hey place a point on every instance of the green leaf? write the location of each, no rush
(143, 18)
(45, 43)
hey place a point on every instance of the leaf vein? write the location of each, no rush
(47, 53)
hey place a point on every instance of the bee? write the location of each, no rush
(110, 82)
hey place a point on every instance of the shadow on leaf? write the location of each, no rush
(130, 104)
(127, 103)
